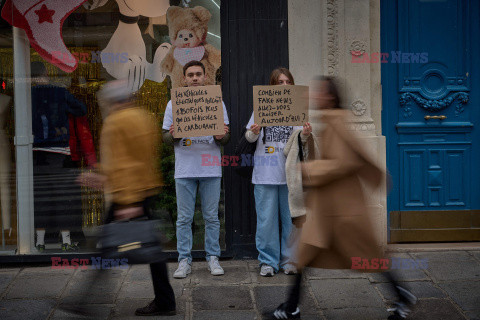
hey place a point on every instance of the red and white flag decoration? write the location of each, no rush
(42, 20)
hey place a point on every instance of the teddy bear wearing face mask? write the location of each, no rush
(188, 29)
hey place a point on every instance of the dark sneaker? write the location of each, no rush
(402, 308)
(70, 247)
(153, 310)
(41, 248)
(282, 312)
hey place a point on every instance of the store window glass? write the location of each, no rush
(75, 47)
(7, 152)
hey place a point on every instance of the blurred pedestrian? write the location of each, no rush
(338, 226)
(271, 190)
(128, 172)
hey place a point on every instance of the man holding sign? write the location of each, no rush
(191, 125)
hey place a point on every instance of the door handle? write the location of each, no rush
(442, 117)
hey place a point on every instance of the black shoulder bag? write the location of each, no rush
(138, 241)
(245, 151)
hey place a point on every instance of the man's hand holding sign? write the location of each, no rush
(198, 111)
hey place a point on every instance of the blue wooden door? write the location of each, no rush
(431, 118)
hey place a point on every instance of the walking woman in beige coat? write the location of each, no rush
(338, 230)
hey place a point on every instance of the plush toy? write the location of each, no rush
(187, 28)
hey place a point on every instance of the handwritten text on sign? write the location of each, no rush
(197, 111)
(280, 105)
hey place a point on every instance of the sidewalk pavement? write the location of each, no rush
(448, 289)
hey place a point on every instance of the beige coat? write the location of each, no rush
(338, 225)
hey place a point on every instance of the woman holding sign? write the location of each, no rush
(271, 191)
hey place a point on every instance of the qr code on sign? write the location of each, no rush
(278, 134)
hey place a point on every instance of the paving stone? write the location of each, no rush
(40, 287)
(442, 256)
(45, 272)
(230, 315)
(104, 284)
(316, 273)
(15, 270)
(450, 270)
(222, 298)
(125, 309)
(89, 299)
(139, 273)
(438, 309)
(472, 315)
(89, 273)
(138, 289)
(94, 312)
(253, 264)
(417, 274)
(466, 294)
(361, 313)
(345, 293)
(270, 297)
(317, 316)
(103, 291)
(401, 274)
(475, 253)
(233, 275)
(421, 290)
(25, 309)
(134, 317)
(5, 279)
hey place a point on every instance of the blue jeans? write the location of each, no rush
(271, 204)
(186, 189)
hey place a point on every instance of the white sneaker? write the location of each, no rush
(183, 269)
(214, 266)
(266, 271)
(289, 269)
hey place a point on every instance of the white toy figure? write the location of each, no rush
(127, 41)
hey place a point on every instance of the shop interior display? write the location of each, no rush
(188, 28)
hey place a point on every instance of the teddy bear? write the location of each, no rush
(187, 28)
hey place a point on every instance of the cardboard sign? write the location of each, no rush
(280, 105)
(197, 111)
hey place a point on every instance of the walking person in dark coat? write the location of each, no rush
(128, 173)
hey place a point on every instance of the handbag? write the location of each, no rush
(138, 241)
(245, 152)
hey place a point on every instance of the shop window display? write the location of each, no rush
(7, 173)
(100, 40)
(7, 152)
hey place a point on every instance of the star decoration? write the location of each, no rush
(44, 14)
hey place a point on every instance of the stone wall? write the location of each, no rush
(323, 38)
